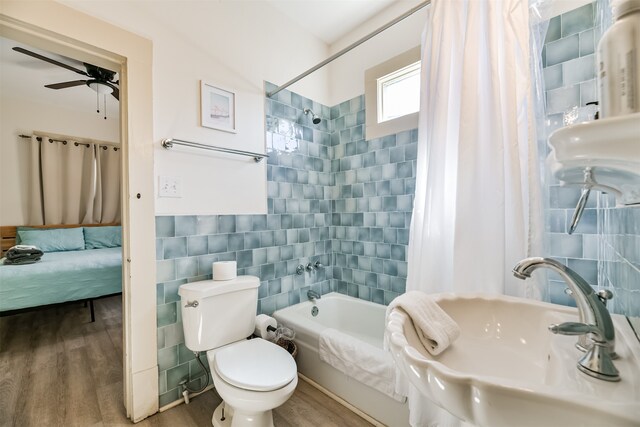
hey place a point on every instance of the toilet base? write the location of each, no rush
(233, 418)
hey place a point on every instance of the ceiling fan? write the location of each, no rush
(99, 79)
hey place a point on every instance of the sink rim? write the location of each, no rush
(399, 345)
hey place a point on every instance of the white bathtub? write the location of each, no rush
(364, 321)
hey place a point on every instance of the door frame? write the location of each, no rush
(60, 29)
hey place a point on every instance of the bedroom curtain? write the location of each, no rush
(66, 183)
(477, 207)
(106, 204)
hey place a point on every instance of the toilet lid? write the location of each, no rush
(256, 365)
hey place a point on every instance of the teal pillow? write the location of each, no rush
(53, 240)
(20, 228)
(102, 237)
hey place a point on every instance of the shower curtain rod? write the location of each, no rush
(350, 47)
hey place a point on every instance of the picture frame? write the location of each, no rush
(217, 107)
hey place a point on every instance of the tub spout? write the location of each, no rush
(313, 295)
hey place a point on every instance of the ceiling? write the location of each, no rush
(330, 20)
(25, 76)
(22, 76)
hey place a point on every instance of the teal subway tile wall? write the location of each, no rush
(372, 201)
(619, 263)
(605, 248)
(333, 197)
(569, 83)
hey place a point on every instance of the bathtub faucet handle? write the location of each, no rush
(318, 265)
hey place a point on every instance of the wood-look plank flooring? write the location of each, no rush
(59, 369)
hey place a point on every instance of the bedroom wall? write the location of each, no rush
(21, 115)
(237, 45)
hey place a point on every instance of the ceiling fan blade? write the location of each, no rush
(65, 85)
(49, 60)
(116, 92)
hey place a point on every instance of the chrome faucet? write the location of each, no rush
(594, 319)
(313, 295)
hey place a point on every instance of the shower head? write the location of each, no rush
(315, 119)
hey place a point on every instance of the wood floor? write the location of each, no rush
(58, 369)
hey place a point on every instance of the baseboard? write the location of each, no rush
(341, 401)
(181, 400)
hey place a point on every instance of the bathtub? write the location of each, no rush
(364, 321)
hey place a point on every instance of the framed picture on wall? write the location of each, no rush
(217, 107)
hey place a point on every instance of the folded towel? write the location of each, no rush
(22, 250)
(20, 261)
(435, 329)
(23, 254)
(359, 360)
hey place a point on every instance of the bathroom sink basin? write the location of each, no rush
(507, 369)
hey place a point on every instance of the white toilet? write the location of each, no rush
(252, 376)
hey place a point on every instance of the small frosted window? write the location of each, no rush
(399, 93)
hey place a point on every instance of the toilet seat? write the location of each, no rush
(256, 365)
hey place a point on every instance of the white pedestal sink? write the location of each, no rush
(507, 369)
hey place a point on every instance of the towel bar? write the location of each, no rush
(170, 142)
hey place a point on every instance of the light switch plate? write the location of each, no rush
(169, 186)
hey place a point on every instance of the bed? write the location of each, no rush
(59, 277)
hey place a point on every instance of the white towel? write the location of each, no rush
(435, 329)
(359, 360)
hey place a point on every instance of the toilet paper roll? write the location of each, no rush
(224, 270)
(262, 323)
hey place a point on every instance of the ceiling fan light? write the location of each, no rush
(100, 88)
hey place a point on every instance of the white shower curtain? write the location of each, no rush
(68, 186)
(477, 203)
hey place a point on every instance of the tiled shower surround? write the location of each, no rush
(619, 261)
(569, 78)
(333, 197)
(605, 248)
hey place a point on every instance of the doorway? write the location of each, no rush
(60, 302)
(76, 35)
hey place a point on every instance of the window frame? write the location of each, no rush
(374, 128)
(392, 78)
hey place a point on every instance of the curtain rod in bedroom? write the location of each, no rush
(350, 47)
(65, 139)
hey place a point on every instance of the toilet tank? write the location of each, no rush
(218, 312)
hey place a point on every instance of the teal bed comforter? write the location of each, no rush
(60, 277)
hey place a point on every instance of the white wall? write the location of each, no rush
(237, 45)
(346, 74)
(24, 115)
